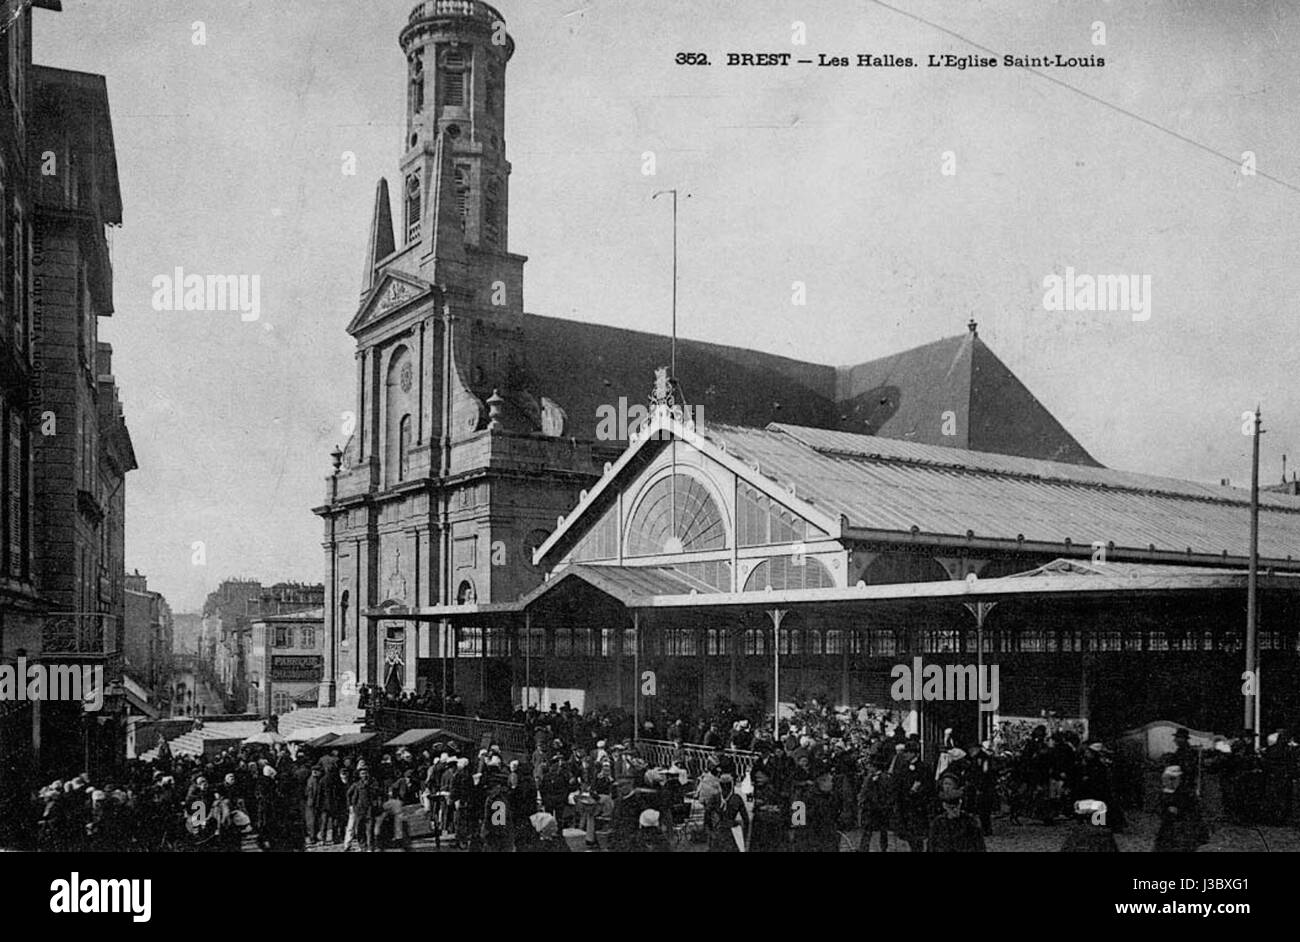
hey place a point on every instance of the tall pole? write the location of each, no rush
(672, 369)
(1252, 579)
(776, 615)
(636, 674)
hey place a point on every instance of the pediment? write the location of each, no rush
(393, 292)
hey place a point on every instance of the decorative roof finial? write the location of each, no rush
(971, 326)
(663, 398)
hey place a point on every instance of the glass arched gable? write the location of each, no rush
(677, 514)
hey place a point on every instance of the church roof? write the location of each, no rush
(953, 392)
(586, 366)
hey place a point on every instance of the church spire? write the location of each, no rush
(381, 243)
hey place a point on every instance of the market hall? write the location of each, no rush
(772, 565)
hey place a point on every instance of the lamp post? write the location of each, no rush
(326, 695)
(1252, 706)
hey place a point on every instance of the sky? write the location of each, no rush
(231, 157)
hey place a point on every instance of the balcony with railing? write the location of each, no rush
(474, 9)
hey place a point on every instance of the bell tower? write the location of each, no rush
(456, 57)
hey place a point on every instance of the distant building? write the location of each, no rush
(287, 664)
(228, 617)
(188, 628)
(148, 641)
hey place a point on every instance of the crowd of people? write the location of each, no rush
(828, 776)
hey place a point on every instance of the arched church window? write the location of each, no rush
(404, 448)
(399, 404)
(343, 616)
(412, 207)
(676, 515)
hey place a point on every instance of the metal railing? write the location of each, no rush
(471, 8)
(507, 735)
(659, 752)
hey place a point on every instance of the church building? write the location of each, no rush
(478, 423)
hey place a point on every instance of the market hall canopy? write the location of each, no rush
(864, 488)
(418, 737)
(354, 739)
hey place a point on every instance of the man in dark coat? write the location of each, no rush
(978, 780)
(815, 814)
(364, 800)
(1276, 762)
(465, 818)
(913, 791)
(334, 807)
(314, 805)
(770, 830)
(291, 829)
(876, 804)
(268, 821)
(498, 833)
(1185, 757)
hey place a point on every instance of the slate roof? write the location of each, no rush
(881, 484)
(907, 396)
(585, 366)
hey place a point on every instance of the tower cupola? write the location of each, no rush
(456, 55)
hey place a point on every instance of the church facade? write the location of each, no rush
(477, 423)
